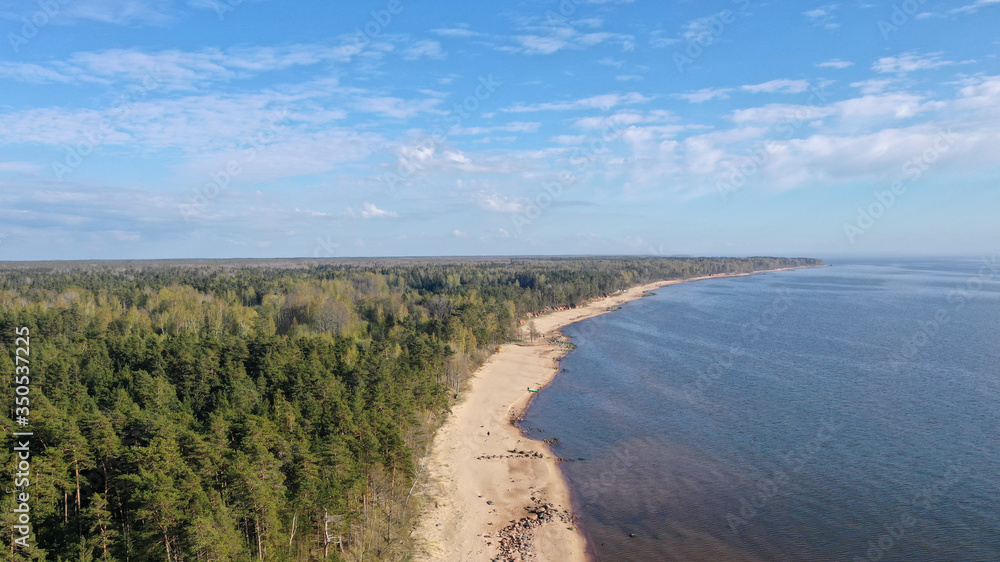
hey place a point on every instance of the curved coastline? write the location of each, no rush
(483, 474)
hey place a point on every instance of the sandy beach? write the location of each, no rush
(482, 474)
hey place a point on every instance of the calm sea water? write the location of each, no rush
(841, 413)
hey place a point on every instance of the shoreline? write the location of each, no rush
(483, 475)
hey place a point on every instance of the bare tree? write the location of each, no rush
(439, 307)
(333, 317)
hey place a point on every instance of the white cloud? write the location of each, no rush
(203, 131)
(894, 106)
(38, 74)
(291, 154)
(120, 12)
(603, 102)
(836, 63)
(547, 36)
(974, 7)
(778, 87)
(702, 155)
(424, 49)
(703, 30)
(312, 213)
(591, 39)
(821, 159)
(512, 127)
(611, 122)
(696, 165)
(874, 85)
(980, 93)
(456, 157)
(459, 234)
(592, 23)
(396, 107)
(823, 16)
(658, 39)
(909, 62)
(538, 45)
(19, 167)
(706, 94)
(176, 69)
(370, 211)
(125, 236)
(84, 208)
(455, 32)
(500, 204)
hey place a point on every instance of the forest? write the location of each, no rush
(218, 411)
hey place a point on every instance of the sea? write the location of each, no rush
(849, 412)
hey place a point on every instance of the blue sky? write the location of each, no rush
(226, 128)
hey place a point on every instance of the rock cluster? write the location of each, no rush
(514, 454)
(515, 539)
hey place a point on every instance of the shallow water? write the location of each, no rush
(842, 413)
